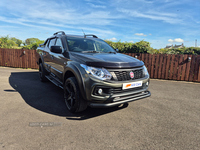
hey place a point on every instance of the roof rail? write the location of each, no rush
(63, 33)
(94, 36)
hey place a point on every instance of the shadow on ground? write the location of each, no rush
(48, 98)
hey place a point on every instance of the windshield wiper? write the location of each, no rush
(90, 52)
(111, 52)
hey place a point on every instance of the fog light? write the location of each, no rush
(100, 91)
(147, 83)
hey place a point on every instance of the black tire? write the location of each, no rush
(42, 73)
(73, 100)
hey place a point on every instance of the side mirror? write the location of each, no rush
(116, 50)
(56, 49)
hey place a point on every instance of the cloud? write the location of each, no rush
(150, 34)
(96, 6)
(140, 34)
(166, 17)
(112, 39)
(170, 40)
(178, 40)
(60, 13)
(96, 1)
(61, 17)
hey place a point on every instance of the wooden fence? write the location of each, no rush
(160, 66)
(18, 58)
(171, 67)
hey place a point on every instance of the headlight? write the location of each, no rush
(145, 72)
(99, 73)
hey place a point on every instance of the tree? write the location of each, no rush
(24, 43)
(33, 45)
(17, 41)
(129, 47)
(11, 43)
(5, 42)
(141, 47)
(30, 41)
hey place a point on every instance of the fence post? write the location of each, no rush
(191, 76)
(153, 66)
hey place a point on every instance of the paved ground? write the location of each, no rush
(33, 116)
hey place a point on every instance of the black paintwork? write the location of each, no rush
(108, 60)
(61, 64)
(56, 49)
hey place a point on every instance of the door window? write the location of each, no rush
(51, 43)
(59, 43)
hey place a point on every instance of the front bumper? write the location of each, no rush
(114, 94)
(123, 100)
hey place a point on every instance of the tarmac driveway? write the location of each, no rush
(34, 116)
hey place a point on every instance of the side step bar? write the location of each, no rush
(54, 81)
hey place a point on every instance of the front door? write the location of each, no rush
(58, 61)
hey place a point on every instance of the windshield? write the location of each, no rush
(88, 45)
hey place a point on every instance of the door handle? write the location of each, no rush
(52, 57)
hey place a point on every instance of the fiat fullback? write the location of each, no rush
(90, 72)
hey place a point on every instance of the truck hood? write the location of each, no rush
(107, 60)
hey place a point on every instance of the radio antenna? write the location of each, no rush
(83, 32)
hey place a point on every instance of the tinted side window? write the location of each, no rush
(59, 43)
(52, 42)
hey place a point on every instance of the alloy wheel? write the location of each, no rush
(70, 95)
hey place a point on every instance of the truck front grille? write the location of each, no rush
(125, 75)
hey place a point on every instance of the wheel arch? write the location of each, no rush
(73, 71)
(40, 60)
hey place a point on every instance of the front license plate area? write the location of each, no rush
(131, 85)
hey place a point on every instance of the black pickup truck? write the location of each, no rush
(91, 72)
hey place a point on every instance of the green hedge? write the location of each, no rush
(144, 47)
(128, 47)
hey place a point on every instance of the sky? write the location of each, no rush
(160, 22)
